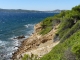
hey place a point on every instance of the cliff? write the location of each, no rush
(65, 38)
(36, 44)
(69, 36)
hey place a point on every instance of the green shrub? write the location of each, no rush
(48, 24)
(68, 55)
(32, 57)
(75, 28)
(25, 57)
(68, 33)
(46, 30)
(76, 50)
(76, 8)
(69, 18)
(57, 53)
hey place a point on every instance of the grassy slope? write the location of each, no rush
(69, 35)
(48, 23)
(58, 52)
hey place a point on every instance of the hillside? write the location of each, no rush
(28, 11)
(67, 34)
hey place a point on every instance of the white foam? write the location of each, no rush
(3, 43)
(12, 38)
(26, 36)
(0, 41)
(16, 42)
(12, 48)
(29, 25)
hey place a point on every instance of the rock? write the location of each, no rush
(43, 41)
(20, 37)
(37, 44)
(37, 27)
(34, 42)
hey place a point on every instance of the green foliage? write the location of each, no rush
(71, 31)
(57, 53)
(76, 50)
(64, 27)
(32, 57)
(68, 33)
(46, 30)
(25, 57)
(76, 8)
(48, 23)
(68, 21)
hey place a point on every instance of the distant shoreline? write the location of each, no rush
(33, 11)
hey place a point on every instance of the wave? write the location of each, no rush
(29, 25)
(12, 38)
(15, 38)
(0, 41)
(3, 43)
(11, 44)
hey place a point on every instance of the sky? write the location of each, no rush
(41, 5)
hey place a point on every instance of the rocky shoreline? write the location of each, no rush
(35, 41)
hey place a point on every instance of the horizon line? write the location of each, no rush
(35, 10)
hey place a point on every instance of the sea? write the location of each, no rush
(13, 24)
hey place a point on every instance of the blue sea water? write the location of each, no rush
(14, 24)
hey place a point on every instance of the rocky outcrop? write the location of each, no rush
(33, 42)
(37, 28)
(19, 37)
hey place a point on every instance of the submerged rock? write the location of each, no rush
(20, 37)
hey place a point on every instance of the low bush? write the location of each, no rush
(32, 57)
(48, 24)
(69, 35)
(25, 57)
(75, 28)
(58, 52)
(76, 50)
(46, 30)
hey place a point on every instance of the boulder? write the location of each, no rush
(20, 37)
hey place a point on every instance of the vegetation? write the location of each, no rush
(48, 24)
(71, 31)
(68, 34)
(76, 50)
(25, 57)
(64, 50)
(32, 57)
